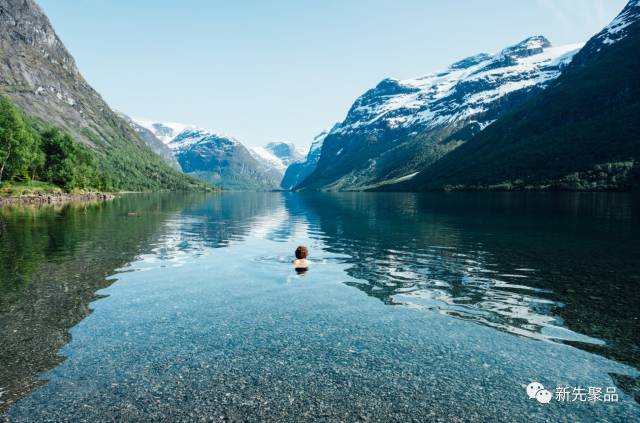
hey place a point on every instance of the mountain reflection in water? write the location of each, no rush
(559, 266)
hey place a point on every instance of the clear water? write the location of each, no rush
(430, 307)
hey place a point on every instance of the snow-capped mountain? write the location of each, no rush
(580, 133)
(263, 166)
(164, 131)
(277, 155)
(622, 26)
(220, 159)
(191, 138)
(296, 172)
(466, 89)
(400, 126)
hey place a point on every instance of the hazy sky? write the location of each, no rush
(284, 70)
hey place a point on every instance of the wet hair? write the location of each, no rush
(302, 252)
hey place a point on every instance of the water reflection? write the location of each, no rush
(546, 266)
(217, 222)
(52, 261)
(521, 263)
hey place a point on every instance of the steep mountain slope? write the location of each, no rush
(156, 145)
(277, 155)
(41, 77)
(221, 160)
(583, 132)
(399, 127)
(297, 171)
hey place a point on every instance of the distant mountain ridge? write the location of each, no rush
(297, 171)
(277, 155)
(400, 127)
(164, 131)
(223, 159)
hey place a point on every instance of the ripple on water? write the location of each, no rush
(466, 285)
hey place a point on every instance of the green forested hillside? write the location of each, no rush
(31, 150)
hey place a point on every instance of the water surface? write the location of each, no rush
(420, 307)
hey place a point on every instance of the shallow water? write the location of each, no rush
(417, 307)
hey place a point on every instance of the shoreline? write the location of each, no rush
(54, 199)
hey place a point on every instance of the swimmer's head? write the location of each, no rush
(302, 252)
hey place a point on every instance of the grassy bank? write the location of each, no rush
(19, 189)
(43, 193)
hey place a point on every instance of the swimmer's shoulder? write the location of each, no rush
(301, 263)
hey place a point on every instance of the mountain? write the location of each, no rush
(277, 156)
(401, 126)
(583, 132)
(297, 171)
(222, 160)
(41, 78)
(155, 144)
(164, 131)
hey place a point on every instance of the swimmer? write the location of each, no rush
(301, 264)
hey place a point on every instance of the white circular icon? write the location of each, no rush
(543, 396)
(533, 388)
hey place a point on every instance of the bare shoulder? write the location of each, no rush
(301, 263)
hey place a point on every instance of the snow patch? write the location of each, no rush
(189, 138)
(268, 158)
(164, 131)
(405, 177)
(615, 31)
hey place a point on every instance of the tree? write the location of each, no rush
(37, 164)
(59, 152)
(67, 164)
(18, 145)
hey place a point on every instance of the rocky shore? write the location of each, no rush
(58, 198)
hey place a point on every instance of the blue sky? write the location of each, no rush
(284, 70)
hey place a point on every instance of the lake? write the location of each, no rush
(417, 307)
